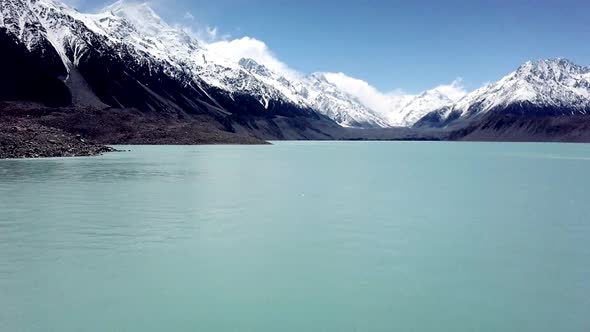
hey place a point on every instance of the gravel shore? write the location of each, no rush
(22, 138)
(32, 131)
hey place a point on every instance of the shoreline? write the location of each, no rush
(32, 131)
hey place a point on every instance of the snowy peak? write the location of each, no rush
(421, 105)
(138, 24)
(254, 67)
(321, 77)
(140, 15)
(409, 109)
(338, 105)
(551, 69)
(552, 83)
(544, 87)
(432, 98)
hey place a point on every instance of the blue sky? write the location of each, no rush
(409, 45)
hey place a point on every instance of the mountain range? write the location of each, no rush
(555, 87)
(127, 58)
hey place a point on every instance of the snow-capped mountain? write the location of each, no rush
(410, 109)
(132, 37)
(396, 109)
(148, 32)
(140, 26)
(126, 56)
(421, 105)
(336, 104)
(537, 88)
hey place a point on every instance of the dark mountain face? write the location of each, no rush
(524, 109)
(517, 128)
(122, 82)
(32, 76)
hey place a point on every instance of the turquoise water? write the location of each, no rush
(347, 236)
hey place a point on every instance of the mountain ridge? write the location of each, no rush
(548, 87)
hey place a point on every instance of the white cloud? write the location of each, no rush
(247, 47)
(454, 91)
(203, 33)
(387, 102)
(382, 102)
(182, 20)
(73, 3)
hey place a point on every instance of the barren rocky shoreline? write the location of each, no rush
(26, 139)
(32, 131)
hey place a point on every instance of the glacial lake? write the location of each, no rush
(299, 236)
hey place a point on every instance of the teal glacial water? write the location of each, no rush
(299, 236)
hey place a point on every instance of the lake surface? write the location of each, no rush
(299, 236)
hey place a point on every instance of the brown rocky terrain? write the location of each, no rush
(23, 138)
(29, 130)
